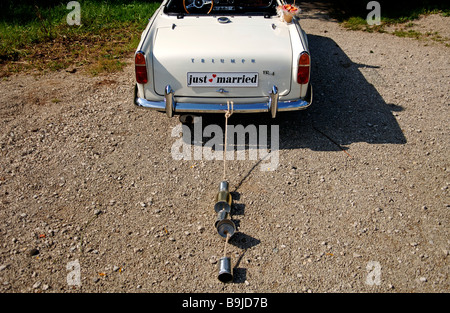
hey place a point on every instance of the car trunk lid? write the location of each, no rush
(243, 58)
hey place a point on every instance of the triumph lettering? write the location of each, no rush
(234, 61)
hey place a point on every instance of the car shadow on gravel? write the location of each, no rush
(243, 242)
(346, 108)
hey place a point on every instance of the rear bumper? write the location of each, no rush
(273, 105)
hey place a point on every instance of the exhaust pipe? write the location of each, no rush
(187, 118)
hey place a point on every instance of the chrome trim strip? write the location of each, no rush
(186, 107)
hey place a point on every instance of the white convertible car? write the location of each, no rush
(197, 56)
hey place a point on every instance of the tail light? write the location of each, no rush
(303, 68)
(140, 68)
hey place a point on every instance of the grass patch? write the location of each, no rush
(38, 37)
(398, 11)
(358, 23)
(355, 23)
(410, 33)
(352, 15)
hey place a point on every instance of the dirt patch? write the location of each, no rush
(360, 193)
(433, 23)
(430, 28)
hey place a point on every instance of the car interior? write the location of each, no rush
(221, 7)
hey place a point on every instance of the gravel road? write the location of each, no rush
(92, 199)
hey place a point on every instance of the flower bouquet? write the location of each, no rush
(287, 12)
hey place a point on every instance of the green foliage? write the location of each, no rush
(353, 15)
(108, 27)
(355, 23)
(393, 11)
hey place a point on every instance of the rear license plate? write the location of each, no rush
(222, 79)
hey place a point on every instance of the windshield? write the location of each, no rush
(222, 7)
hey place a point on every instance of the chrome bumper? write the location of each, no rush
(170, 106)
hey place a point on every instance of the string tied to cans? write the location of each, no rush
(224, 225)
(228, 113)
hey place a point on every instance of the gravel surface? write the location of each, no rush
(92, 200)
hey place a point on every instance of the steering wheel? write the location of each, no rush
(197, 4)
